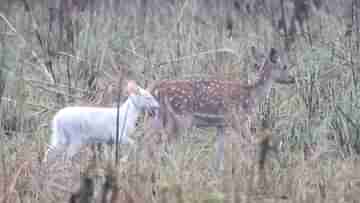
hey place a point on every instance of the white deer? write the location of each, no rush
(73, 127)
(215, 103)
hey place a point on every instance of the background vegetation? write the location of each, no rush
(78, 52)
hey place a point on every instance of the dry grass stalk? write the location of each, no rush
(268, 143)
(110, 190)
(11, 188)
(85, 193)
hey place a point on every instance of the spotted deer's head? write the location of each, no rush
(272, 67)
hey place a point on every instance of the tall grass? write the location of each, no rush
(316, 121)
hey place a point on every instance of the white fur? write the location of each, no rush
(75, 126)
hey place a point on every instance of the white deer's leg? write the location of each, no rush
(97, 151)
(131, 151)
(55, 148)
(55, 153)
(72, 149)
(100, 149)
(220, 148)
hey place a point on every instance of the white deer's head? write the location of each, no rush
(140, 97)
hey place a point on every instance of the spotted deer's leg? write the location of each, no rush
(248, 123)
(177, 122)
(238, 123)
(180, 125)
(247, 128)
(185, 124)
(219, 148)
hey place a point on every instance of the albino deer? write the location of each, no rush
(75, 126)
(215, 103)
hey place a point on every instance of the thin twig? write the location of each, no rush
(117, 130)
(57, 85)
(7, 99)
(46, 67)
(228, 50)
(197, 55)
(12, 28)
(71, 56)
(59, 92)
(23, 44)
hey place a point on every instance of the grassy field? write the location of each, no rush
(316, 119)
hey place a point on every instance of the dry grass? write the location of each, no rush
(309, 153)
(183, 176)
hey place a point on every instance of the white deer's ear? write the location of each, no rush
(142, 92)
(132, 88)
(156, 93)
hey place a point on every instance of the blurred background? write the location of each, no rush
(58, 53)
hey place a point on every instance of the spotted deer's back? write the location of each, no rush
(211, 97)
(179, 94)
(216, 97)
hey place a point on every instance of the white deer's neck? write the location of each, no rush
(128, 113)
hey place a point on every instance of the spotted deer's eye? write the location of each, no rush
(285, 67)
(151, 113)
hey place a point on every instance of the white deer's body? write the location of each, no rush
(74, 127)
(215, 103)
(91, 125)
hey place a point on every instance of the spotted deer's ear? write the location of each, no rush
(259, 58)
(274, 55)
(257, 67)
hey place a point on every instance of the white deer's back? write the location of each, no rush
(76, 126)
(86, 125)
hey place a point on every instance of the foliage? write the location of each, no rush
(83, 61)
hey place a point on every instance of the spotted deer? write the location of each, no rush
(216, 103)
